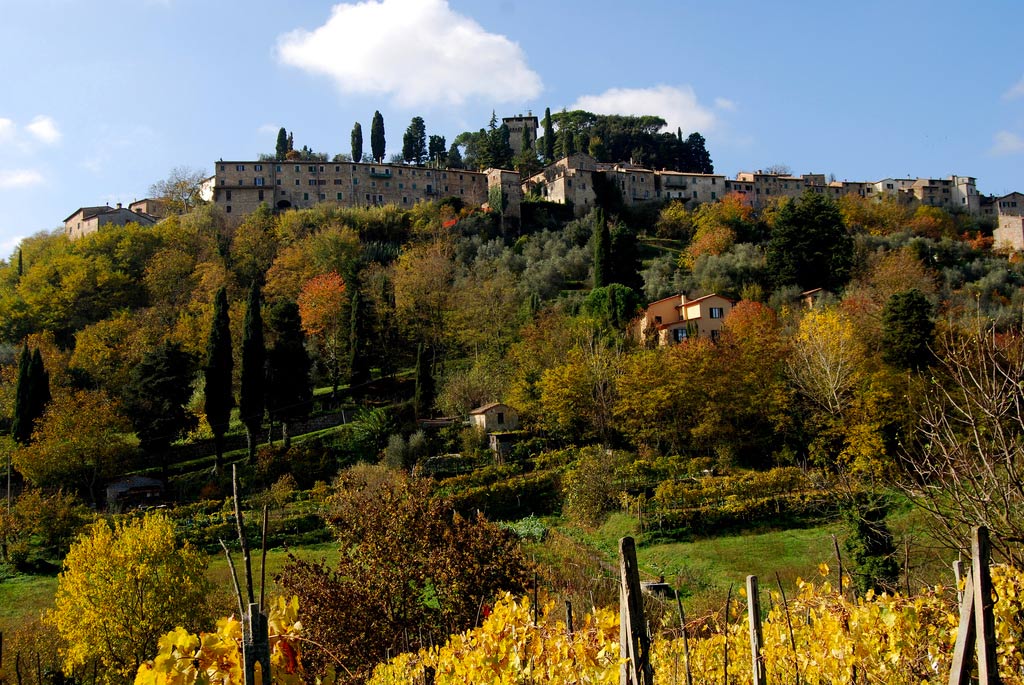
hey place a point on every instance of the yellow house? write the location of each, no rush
(674, 319)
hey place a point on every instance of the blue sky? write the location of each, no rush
(101, 98)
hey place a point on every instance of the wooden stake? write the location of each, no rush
(234, 581)
(568, 617)
(839, 561)
(634, 640)
(725, 643)
(240, 522)
(686, 641)
(263, 560)
(960, 670)
(756, 643)
(984, 616)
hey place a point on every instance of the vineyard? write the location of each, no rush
(817, 636)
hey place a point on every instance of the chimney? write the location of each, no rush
(119, 205)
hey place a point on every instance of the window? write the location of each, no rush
(278, 181)
(323, 196)
(297, 168)
(258, 180)
(260, 194)
(297, 182)
(339, 197)
(322, 182)
(239, 167)
(717, 313)
(430, 188)
(321, 169)
(401, 185)
(258, 167)
(337, 168)
(277, 168)
(695, 193)
(355, 181)
(228, 196)
(312, 181)
(405, 200)
(337, 181)
(714, 195)
(678, 335)
(228, 209)
(239, 181)
(312, 168)
(713, 181)
(501, 417)
(305, 196)
(715, 335)
(414, 186)
(222, 167)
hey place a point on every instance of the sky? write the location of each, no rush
(99, 99)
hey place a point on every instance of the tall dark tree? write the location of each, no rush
(291, 143)
(809, 246)
(414, 142)
(437, 151)
(549, 137)
(39, 388)
(357, 142)
(377, 146)
(251, 401)
(701, 158)
(289, 390)
(625, 257)
(155, 399)
(219, 399)
(358, 360)
(282, 144)
(21, 265)
(21, 425)
(424, 398)
(455, 157)
(908, 330)
(603, 271)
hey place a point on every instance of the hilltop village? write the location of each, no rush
(238, 187)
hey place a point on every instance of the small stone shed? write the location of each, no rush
(494, 417)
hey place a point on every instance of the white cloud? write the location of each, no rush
(45, 129)
(725, 104)
(1006, 143)
(19, 178)
(1015, 91)
(678, 106)
(418, 51)
(7, 129)
(7, 246)
(268, 129)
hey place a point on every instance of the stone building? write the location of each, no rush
(677, 318)
(511, 185)
(569, 181)
(86, 220)
(241, 186)
(689, 187)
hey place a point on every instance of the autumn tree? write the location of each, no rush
(78, 443)
(122, 588)
(357, 142)
(219, 399)
(322, 309)
(403, 543)
(181, 191)
(377, 138)
(289, 390)
(251, 400)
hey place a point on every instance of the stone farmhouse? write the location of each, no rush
(677, 318)
(86, 220)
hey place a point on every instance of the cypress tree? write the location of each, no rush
(282, 144)
(291, 143)
(424, 398)
(39, 387)
(549, 137)
(289, 390)
(603, 271)
(251, 401)
(357, 142)
(21, 267)
(377, 144)
(359, 365)
(217, 372)
(21, 426)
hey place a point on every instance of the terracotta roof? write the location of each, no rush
(90, 212)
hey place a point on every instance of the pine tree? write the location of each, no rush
(377, 143)
(291, 143)
(217, 373)
(357, 142)
(424, 398)
(549, 137)
(39, 387)
(602, 251)
(251, 401)
(289, 390)
(282, 144)
(414, 142)
(908, 330)
(21, 426)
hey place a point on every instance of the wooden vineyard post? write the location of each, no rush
(256, 645)
(984, 614)
(756, 642)
(634, 640)
(977, 619)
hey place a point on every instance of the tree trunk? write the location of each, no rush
(250, 443)
(286, 439)
(218, 449)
